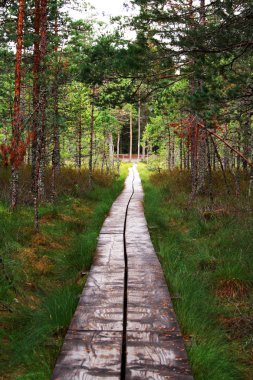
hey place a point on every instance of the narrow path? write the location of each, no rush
(124, 326)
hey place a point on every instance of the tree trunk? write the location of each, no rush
(41, 130)
(201, 160)
(246, 142)
(188, 156)
(210, 177)
(131, 136)
(213, 158)
(104, 159)
(91, 138)
(194, 159)
(79, 148)
(181, 154)
(56, 160)
(16, 124)
(251, 169)
(36, 88)
(139, 127)
(238, 165)
(118, 150)
(202, 12)
(169, 151)
(173, 153)
(221, 164)
(118, 145)
(111, 152)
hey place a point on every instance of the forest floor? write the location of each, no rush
(206, 252)
(42, 274)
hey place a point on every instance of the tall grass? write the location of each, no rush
(42, 274)
(208, 265)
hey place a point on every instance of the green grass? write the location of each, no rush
(208, 265)
(42, 274)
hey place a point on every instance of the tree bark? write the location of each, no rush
(173, 153)
(111, 152)
(41, 126)
(79, 144)
(131, 136)
(246, 141)
(238, 166)
(91, 138)
(169, 151)
(221, 164)
(209, 164)
(36, 88)
(16, 123)
(139, 127)
(118, 145)
(118, 151)
(181, 154)
(56, 159)
(251, 169)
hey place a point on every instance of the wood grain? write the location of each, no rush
(154, 345)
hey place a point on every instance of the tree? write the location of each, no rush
(17, 147)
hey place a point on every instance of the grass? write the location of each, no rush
(42, 274)
(206, 251)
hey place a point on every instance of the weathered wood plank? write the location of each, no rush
(156, 355)
(90, 355)
(147, 319)
(92, 347)
(154, 345)
(106, 278)
(158, 297)
(110, 253)
(109, 296)
(88, 318)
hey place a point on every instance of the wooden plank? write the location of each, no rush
(110, 253)
(89, 355)
(88, 318)
(148, 318)
(106, 278)
(158, 297)
(155, 347)
(156, 355)
(93, 346)
(109, 296)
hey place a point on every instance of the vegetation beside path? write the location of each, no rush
(43, 273)
(206, 252)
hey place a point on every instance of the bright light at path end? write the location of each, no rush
(109, 7)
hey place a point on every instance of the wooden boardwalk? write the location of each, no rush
(124, 326)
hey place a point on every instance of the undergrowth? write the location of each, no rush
(206, 251)
(42, 274)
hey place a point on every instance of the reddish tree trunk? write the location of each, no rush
(56, 142)
(40, 127)
(36, 87)
(42, 145)
(16, 125)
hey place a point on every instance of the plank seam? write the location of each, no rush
(124, 334)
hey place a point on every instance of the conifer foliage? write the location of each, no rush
(183, 84)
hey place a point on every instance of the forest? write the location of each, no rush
(167, 86)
